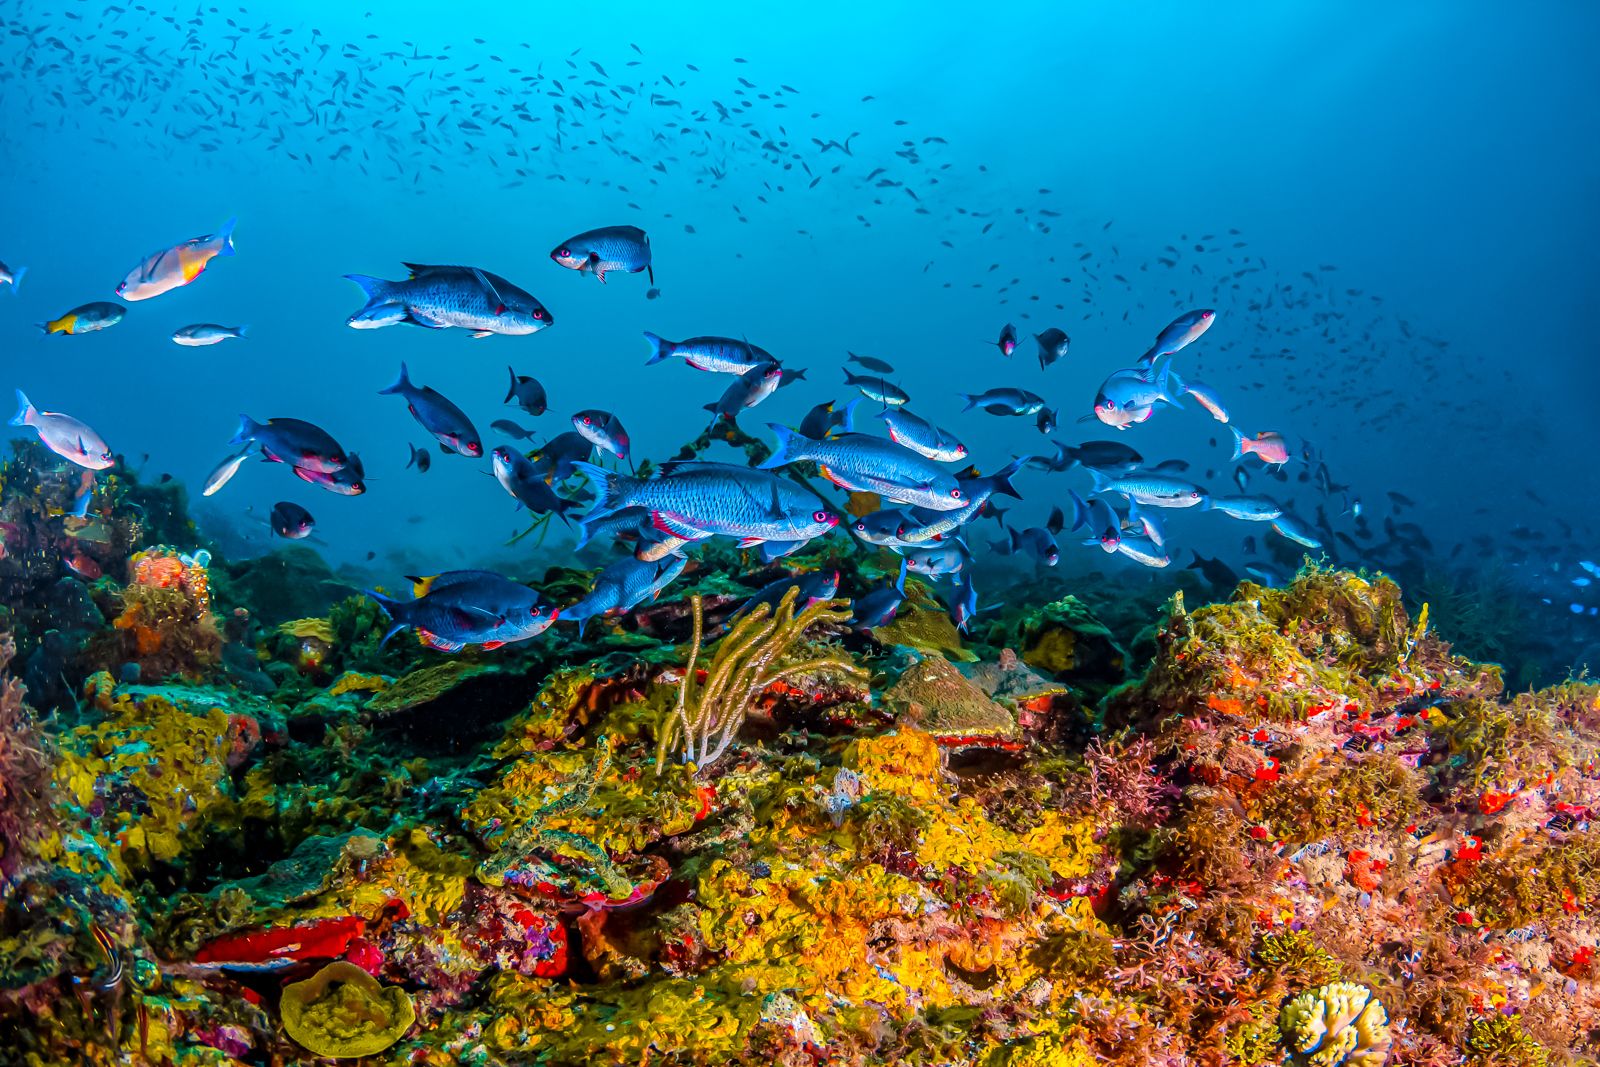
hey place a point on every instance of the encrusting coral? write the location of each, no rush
(344, 1013)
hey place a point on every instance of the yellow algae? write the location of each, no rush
(321, 629)
(174, 759)
(353, 682)
(906, 762)
(415, 871)
(628, 810)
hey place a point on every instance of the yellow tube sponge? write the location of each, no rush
(1336, 1025)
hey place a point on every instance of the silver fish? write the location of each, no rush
(64, 435)
(624, 248)
(720, 355)
(699, 500)
(442, 296)
(864, 463)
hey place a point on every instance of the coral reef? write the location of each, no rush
(245, 831)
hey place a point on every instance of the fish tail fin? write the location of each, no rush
(412, 461)
(1102, 483)
(376, 289)
(660, 348)
(25, 410)
(847, 423)
(611, 488)
(1002, 478)
(248, 429)
(242, 331)
(586, 527)
(1238, 442)
(388, 604)
(970, 398)
(16, 279)
(1080, 510)
(1164, 383)
(224, 237)
(401, 385)
(789, 448)
(511, 390)
(900, 582)
(1150, 357)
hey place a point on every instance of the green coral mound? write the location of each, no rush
(1336, 1025)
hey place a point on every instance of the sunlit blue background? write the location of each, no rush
(1442, 155)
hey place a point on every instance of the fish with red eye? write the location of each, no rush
(603, 430)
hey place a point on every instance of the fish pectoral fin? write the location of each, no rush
(490, 646)
(751, 542)
(482, 333)
(421, 318)
(675, 526)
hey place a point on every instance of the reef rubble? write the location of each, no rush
(1302, 831)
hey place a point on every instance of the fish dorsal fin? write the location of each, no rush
(494, 294)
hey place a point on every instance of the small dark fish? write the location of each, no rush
(516, 474)
(1046, 421)
(526, 393)
(878, 389)
(448, 423)
(1004, 401)
(877, 366)
(1053, 345)
(1108, 456)
(511, 429)
(1214, 571)
(1007, 344)
(603, 430)
(878, 607)
(421, 459)
(809, 589)
(292, 441)
(652, 293)
(349, 480)
(291, 521)
(823, 419)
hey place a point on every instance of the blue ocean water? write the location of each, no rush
(1392, 210)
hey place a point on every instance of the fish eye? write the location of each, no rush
(586, 420)
(539, 314)
(564, 252)
(955, 494)
(821, 516)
